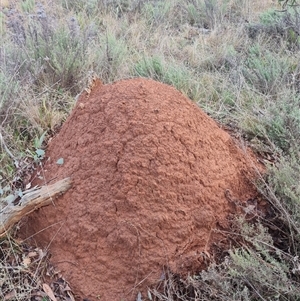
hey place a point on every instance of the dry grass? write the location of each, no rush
(237, 59)
(25, 272)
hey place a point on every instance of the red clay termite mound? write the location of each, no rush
(150, 174)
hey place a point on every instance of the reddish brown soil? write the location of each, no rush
(150, 172)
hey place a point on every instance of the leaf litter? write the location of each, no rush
(26, 273)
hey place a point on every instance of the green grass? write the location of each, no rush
(245, 74)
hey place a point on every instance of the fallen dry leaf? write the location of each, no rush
(47, 289)
(26, 262)
(32, 254)
(41, 253)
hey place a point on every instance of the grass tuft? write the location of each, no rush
(238, 60)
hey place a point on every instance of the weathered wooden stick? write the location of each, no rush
(31, 201)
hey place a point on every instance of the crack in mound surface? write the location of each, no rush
(150, 171)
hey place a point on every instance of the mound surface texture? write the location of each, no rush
(150, 172)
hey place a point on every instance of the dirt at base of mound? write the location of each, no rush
(151, 172)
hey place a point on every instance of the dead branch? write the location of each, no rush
(31, 201)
